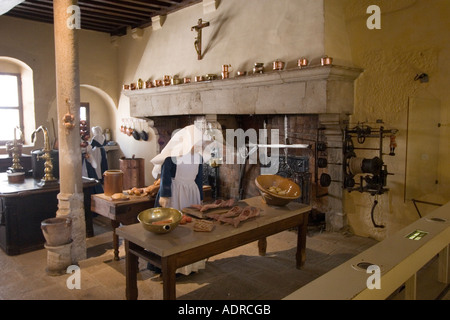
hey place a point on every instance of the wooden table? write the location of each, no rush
(184, 246)
(120, 212)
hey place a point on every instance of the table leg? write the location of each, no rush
(262, 246)
(169, 279)
(301, 242)
(131, 273)
(115, 224)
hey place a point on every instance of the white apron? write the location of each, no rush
(185, 193)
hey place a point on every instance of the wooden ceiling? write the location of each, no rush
(111, 17)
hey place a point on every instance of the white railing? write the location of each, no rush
(393, 262)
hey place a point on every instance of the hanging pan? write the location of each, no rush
(144, 134)
(136, 134)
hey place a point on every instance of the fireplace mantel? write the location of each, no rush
(311, 90)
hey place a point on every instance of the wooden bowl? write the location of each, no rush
(156, 220)
(292, 190)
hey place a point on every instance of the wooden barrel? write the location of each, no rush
(133, 172)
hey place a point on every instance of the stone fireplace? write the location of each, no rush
(307, 106)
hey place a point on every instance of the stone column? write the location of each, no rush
(70, 198)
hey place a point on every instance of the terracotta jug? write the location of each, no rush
(113, 182)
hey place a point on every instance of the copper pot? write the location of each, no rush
(140, 84)
(258, 68)
(175, 81)
(187, 80)
(326, 61)
(133, 86)
(167, 80)
(158, 83)
(278, 65)
(302, 62)
(126, 87)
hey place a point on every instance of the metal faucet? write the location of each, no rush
(48, 166)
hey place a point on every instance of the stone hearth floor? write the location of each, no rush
(239, 274)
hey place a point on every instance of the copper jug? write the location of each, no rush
(113, 182)
(226, 68)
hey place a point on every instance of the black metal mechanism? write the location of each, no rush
(372, 172)
(325, 179)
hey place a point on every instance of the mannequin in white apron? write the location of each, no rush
(181, 169)
(185, 189)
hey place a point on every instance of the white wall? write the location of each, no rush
(241, 33)
(33, 44)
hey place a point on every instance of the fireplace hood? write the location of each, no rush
(311, 90)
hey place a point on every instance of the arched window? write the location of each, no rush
(16, 100)
(11, 108)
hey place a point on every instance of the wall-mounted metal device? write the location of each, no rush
(372, 172)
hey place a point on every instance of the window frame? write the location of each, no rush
(20, 107)
(88, 120)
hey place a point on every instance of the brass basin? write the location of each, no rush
(153, 220)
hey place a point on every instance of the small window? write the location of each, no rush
(11, 111)
(85, 127)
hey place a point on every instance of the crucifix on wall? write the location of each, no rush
(198, 41)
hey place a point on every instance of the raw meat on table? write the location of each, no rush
(236, 215)
(216, 204)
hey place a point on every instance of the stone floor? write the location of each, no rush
(239, 274)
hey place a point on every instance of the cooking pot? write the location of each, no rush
(176, 81)
(278, 65)
(167, 80)
(258, 68)
(211, 76)
(326, 61)
(302, 62)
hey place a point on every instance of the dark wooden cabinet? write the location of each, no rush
(24, 206)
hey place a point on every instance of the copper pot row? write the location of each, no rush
(259, 68)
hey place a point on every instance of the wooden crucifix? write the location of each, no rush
(198, 41)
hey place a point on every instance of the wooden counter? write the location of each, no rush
(120, 212)
(23, 206)
(184, 246)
